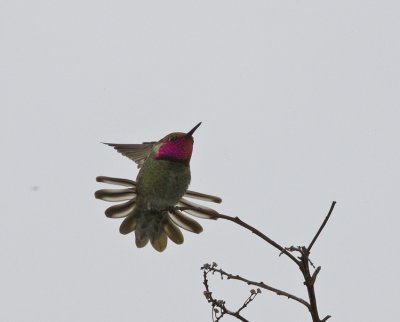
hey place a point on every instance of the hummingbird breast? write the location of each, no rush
(161, 183)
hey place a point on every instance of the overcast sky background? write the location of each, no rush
(300, 106)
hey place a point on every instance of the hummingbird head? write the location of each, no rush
(176, 146)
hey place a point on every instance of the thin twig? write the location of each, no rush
(322, 226)
(260, 284)
(302, 261)
(255, 231)
(249, 299)
(314, 275)
(218, 306)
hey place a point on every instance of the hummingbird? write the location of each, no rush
(156, 204)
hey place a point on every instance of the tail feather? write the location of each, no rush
(115, 194)
(202, 196)
(185, 222)
(197, 210)
(122, 210)
(156, 227)
(128, 225)
(173, 232)
(159, 241)
(151, 225)
(141, 239)
(117, 181)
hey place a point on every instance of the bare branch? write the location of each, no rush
(309, 283)
(322, 226)
(259, 284)
(253, 294)
(255, 231)
(314, 275)
(218, 306)
(302, 261)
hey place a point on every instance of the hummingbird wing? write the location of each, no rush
(135, 152)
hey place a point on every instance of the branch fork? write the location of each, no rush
(303, 262)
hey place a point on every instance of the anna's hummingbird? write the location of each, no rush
(162, 182)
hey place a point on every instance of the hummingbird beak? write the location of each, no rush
(190, 133)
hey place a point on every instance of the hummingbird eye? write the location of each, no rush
(171, 138)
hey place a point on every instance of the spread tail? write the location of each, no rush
(157, 227)
(151, 225)
(148, 226)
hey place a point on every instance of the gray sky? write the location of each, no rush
(300, 106)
